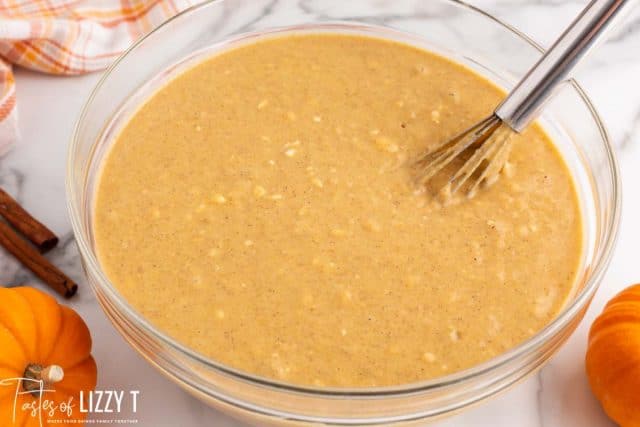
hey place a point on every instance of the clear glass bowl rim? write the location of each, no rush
(558, 324)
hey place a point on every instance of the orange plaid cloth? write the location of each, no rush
(68, 37)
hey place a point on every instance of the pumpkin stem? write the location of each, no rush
(48, 375)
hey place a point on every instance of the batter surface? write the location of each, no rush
(260, 209)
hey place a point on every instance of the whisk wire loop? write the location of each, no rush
(439, 156)
(490, 138)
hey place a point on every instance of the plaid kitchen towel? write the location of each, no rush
(68, 37)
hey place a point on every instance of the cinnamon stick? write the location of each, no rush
(21, 220)
(36, 262)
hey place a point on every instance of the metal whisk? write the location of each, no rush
(487, 143)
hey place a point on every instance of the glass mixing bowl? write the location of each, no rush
(449, 27)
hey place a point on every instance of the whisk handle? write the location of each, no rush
(524, 102)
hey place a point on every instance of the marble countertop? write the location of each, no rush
(557, 396)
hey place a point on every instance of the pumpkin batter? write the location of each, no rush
(259, 208)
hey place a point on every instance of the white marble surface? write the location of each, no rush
(557, 396)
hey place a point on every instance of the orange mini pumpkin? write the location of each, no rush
(613, 358)
(45, 360)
